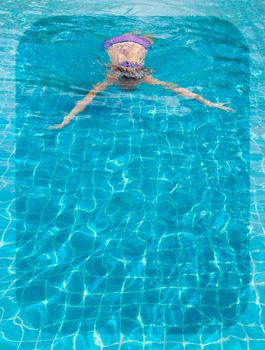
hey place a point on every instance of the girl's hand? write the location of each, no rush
(56, 126)
(221, 106)
(60, 126)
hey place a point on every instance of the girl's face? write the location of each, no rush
(128, 84)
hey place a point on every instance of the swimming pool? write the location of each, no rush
(133, 223)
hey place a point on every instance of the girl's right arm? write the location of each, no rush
(81, 105)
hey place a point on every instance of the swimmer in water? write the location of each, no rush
(127, 54)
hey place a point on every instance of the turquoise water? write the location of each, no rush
(136, 226)
(133, 220)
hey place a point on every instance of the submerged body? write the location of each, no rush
(126, 51)
(127, 54)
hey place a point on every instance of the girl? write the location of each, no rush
(127, 54)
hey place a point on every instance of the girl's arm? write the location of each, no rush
(81, 105)
(185, 92)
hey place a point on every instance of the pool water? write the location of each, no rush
(132, 222)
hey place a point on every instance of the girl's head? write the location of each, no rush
(129, 77)
(128, 84)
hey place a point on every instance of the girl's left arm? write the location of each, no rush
(185, 92)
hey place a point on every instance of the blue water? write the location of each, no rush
(133, 225)
(133, 220)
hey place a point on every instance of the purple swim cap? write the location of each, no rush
(125, 38)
